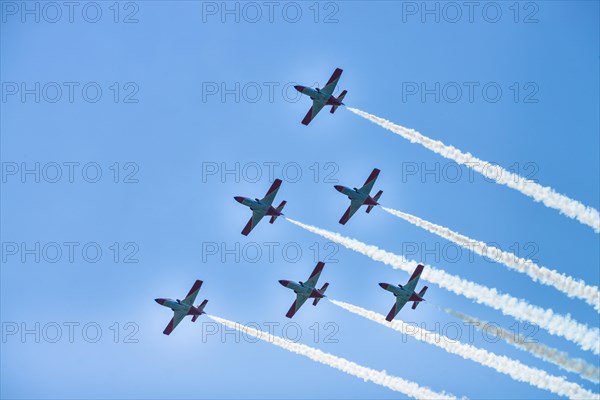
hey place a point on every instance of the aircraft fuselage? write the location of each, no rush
(258, 206)
(399, 291)
(355, 194)
(177, 305)
(302, 289)
(318, 96)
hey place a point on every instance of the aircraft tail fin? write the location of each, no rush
(200, 308)
(274, 217)
(340, 99)
(202, 305)
(421, 295)
(376, 198)
(322, 290)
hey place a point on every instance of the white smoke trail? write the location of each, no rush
(556, 324)
(550, 198)
(367, 374)
(541, 351)
(513, 368)
(562, 282)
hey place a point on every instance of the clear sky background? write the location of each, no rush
(170, 124)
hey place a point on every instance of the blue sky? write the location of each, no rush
(166, 132)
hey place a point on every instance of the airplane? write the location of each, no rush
(306, 290)
(184, 307)
(323, 97)
(405, 293)
(262, 207)
(360, 197)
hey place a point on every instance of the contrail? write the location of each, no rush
(541, 351)
(367, 374)
(550, 198)
(570, 286)
(556, 324)
(513, 368)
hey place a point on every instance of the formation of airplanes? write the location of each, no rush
(303, 291)
(264, 207)
(358, 197)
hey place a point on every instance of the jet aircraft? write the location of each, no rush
(405, 293)
(306, 290)
(262, 207)
(184, 307)
(359, 197)
(323, 97)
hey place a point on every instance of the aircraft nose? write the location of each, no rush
(339, 188)
(384, 285)
(299, 88)
(239, 199)
(284, 282)
(159, 301)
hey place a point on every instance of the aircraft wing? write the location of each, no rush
(354, 206)
(396, 308)
(271, 193)
(300, 299)
(314, 276)
(256, 217)
(312, 113)
(191, 296)
(368, 186)
(414, 279)
(174, 322)
(332, 82)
